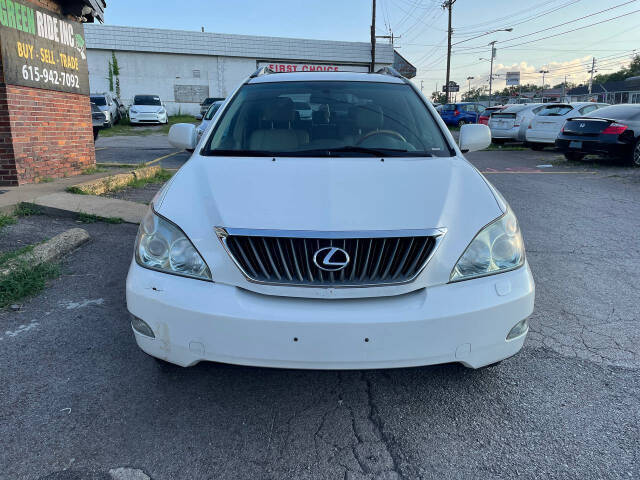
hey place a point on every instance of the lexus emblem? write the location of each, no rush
(331, 259)
(582, 125)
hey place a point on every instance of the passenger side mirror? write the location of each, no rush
(183, 136)
(474, 137)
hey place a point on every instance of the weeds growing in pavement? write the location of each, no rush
(13, 254)
(91, 218)
(27, 210)
(76, 190)
(160, 177)
(7, 220)
(94, 169)
(26, 281)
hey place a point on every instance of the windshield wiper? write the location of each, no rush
(377, 152)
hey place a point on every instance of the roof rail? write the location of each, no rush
(389, 71)
(261, 71)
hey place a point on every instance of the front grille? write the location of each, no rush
(373, 259)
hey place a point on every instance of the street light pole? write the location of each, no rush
(373, 37)
(543, 72)
(493, 54)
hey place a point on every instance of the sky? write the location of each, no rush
(421, 26)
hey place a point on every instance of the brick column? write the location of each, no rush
(43, 133)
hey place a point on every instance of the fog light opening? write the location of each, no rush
(518, 329)
(141, 327)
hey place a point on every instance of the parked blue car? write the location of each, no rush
(458, 114)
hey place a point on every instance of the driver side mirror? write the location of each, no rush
(183, 136)
(474, 137)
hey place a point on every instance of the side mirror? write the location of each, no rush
(474, 137)
(183, 136)
(199, 116)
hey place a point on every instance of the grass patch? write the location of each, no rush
(7, 220)
(76, 190)
(91, 218)
(44, 180)
(125, 128)
(94, 169)
(26, 281)
(160, 177)
(7, 256)
(26, 210)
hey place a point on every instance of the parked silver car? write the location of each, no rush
(107, 103)
(511, 123)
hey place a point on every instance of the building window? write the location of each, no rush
(196, 74)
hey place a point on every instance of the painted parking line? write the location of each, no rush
(159, 159)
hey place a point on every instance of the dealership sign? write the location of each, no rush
(513, 78)
(310, 67)
(42, 49)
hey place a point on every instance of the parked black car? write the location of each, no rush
(613, 131)
(204, 106)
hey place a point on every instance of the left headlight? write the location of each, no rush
(497, 248)
(162, 246)
(162, 111)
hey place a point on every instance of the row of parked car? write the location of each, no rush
(576, 129)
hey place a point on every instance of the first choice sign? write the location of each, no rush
(309, 67)
(42, 49)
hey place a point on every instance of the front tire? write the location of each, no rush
(574, 156)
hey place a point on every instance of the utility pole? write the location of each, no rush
(493, 55)
(564, 88)
(448, 4)
(543, 72)
(592, 71)
(469, 91)
(373, 37)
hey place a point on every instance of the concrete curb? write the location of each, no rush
(49, 251)
(106, 184)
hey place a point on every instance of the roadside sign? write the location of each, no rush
(42, 49)
(513, 78)
(280, 67)
(453, 87)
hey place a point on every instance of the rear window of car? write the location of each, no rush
(146, 100)
(100, 101)
(449, 107)
(555, 110)
(348, 119)
(618, 112)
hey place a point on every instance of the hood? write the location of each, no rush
(328, 194)
(147, 108)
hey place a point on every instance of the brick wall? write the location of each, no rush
(43, 134)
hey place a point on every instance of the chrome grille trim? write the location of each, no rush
(284, 257)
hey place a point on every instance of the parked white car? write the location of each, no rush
(546, 125)
(511, 122)
(364, 240)
(206, 120)
(108, 104)
(147, 109)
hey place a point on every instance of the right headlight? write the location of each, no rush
(497, 248)
(162, 246)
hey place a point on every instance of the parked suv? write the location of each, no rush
(106, 102)
(147, 109)
(457, 114)
(360, 238)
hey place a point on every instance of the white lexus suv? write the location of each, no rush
(358, 237)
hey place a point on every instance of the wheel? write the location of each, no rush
(536, 146)
(461, 123)
(635, 156)
(574, 156)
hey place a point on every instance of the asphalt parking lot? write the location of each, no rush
(78, 398)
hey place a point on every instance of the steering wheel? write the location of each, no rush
(381, 132)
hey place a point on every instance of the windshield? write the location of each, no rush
(347, 119)
(100, 101)
(207, 101)
(147, 100)
(212, 110)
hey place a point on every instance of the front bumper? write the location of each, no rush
(465, 322)
(148, 118)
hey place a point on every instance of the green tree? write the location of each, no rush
(625, 72)
(110, 77)
(116, 72)
(439, 97)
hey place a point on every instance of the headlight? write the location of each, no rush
(162, 111)
(162, 246)
(497, 248)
